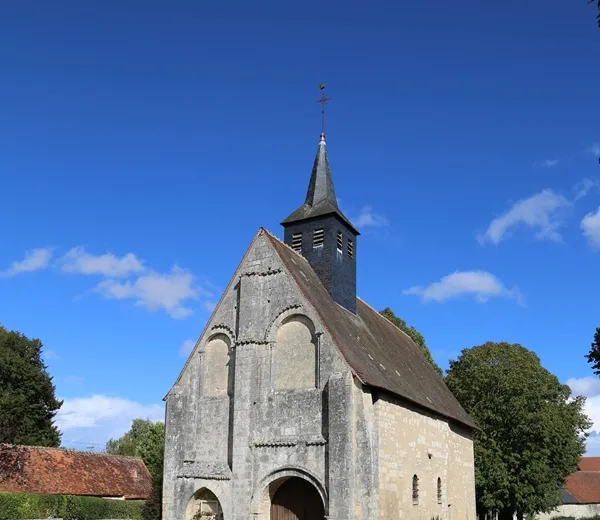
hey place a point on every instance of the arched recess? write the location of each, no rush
(216, 366)
(267, 489)
(295, 354)
(204, 501)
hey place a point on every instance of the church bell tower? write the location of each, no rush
(320, 232)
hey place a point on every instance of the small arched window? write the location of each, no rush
(415, 490)
(439, 490)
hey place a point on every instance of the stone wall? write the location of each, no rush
(414, 442)
(279, 417)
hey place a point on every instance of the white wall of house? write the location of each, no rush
(572, 511)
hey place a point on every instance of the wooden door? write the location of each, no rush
(297, 499)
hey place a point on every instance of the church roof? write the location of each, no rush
(378, 352)
(320, 196)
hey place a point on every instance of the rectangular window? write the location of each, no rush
(350, 248)
(340, 242)
(318, 237)
(297, 242)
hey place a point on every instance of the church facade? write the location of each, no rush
(301, 402)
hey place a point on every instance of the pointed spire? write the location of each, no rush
(320, 187)
(320, 196)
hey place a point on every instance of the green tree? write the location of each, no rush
(28, 403)
(414, 334)
(598, 15)
(532, 432)
(145, 439)
(129, 444)
(593, 356)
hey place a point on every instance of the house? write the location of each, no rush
(55, 471)
(300, 401)
(580, 497)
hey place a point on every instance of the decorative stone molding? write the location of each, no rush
(281, 315)
(269, 272)
(287, 442)
(204, 470)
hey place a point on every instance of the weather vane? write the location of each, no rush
(323, 100)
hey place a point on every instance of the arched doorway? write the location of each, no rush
(204, 505)
(297, 499)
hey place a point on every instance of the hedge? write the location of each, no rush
(24, 506)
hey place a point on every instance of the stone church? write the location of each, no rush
(301, 402)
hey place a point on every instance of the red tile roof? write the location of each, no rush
(589, 464)
(29, 469)
(585, 486)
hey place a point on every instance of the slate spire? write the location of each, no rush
(320, 186)
(320, 196)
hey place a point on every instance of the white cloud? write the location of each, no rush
(50, 354)
(542, 212)
(187, 347)
(98, 418)
(590, 388)
(78, 260)
(169, 291)
(582, 188)
(548, 163)
(587, 386)
(368, 218)
(590, 225)
(35, 259)
(594, 149)
(481, 285)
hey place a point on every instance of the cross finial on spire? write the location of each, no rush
(323, 100)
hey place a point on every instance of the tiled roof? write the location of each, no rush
(584, 486)
(29, 469)
(589, 464)
(378, 352)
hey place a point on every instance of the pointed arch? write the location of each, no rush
(204, 501)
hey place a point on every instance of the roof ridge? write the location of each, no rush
(213, 313)
(69, 450)
(275, 237)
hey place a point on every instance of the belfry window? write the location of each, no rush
(297, 242)
(318, 237)
(415, 490)
(350, 248)
(340, 241)
(439, 490)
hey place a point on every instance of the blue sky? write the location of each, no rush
(142, 146)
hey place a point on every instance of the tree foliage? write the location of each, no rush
(532, 431)
(145, 439)
(414, 334)
(598, 15)
(593, 356)
(28, 403)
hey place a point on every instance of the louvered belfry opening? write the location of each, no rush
(323, 235)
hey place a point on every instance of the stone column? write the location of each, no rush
(340, 455)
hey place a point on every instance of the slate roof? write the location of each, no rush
(378, 352)
(55, 471)
(320, 196)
